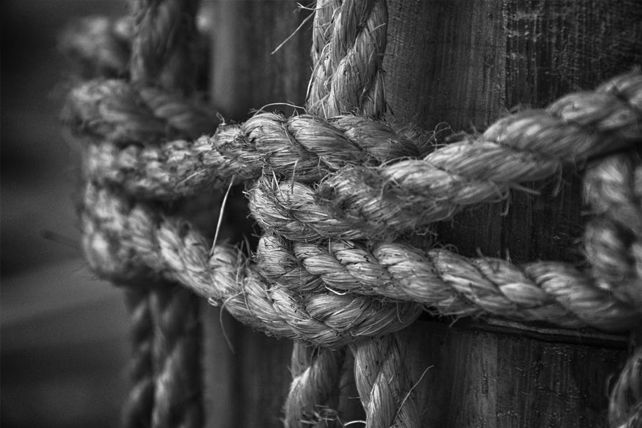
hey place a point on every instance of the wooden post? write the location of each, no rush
(464, 63)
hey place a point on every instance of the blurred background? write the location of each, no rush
(64, 333)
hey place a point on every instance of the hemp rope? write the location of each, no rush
(357, 201)
(313, 397)
(625, 407)
(101, 46)
(378, 389)
(348, 46)
(165, 369)
(98, 45)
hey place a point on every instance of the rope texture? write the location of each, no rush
(354, 94)
(348, 45)
(166, 367)
(356, 201)
(366, 201)
(625, 407)
(383, 383)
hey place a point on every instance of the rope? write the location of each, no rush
(347, 71)
(302, 147)
(450, 284)
(363, 194)
(329, 96)
(625, 407)
(165, 369)
(315, 388)
(163, 44)
(383, 383)
(359, 202)
(122, 238)
(355, 202)
(99, 46)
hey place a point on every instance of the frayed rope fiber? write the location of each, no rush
(344, 177)
(356, 201)
(137, 230)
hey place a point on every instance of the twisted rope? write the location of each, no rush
(625, 407)
(167, 389)
(581, 126)
(99, 46)
(383, 383)
(450, 284)
(613, 239)
(347, 51)
(359, 202)
(358, 91)
(305, 148)
(315, 387)
(121, 238)
(163, 48)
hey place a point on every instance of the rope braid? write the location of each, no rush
(140, 143)
(383, 383)
(347, 75)
(357, 99)
(358, 202)
(121, 237)
(167, 389)
(625, 407)
(315, 388)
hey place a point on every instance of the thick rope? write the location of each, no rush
(449, 284)
(98, 45)
(356, 201)
(166, 336)
(356, 91)
(613, 239)
(363, 202)
(347, 74)
(163, 48)
(121, 238)
(383, 383)
(304, 148)
(101, 46)
(167, 390)
(315, 389)
(625, 407)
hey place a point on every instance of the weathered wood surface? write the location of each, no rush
(465, 63)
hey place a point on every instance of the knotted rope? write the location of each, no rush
(368, 191)
(165, 369)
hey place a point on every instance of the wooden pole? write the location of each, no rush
(465, 63)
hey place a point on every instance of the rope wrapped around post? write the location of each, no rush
(373, 186)
(165, 368)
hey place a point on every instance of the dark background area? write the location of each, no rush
(64, 334)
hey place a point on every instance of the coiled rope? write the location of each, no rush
(369, 191)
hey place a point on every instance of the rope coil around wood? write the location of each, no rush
(166, 331)
(358, 201)
(172, 263)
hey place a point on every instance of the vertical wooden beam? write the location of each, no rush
(467, 63)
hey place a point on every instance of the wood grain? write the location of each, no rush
(465, 63)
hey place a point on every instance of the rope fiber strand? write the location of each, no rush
(336, 192)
